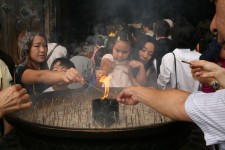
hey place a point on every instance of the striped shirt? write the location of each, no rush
(207, 110)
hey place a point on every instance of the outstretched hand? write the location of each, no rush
(126, 96)
(72, 75)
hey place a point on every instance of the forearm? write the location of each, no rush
(141, 76)
(51, 77)
(42, 76)
(170, 103)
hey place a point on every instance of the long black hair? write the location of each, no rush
(26, 44)
(142, 40)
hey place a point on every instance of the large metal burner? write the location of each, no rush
(68, 114)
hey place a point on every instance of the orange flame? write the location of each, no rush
(106, 81)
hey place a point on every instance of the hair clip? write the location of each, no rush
(118, 38)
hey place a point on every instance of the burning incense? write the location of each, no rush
(183, 61)
(98, 89)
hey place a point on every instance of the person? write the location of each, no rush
(170, 22)
(173, 72)
(214, 53)
(146, 50)
(163, 44)
(6, 58)
(207, 110)
(85, 66)
(204, 34)
(55, 49)
(60, 64)
(118, 64)
(5, 76)
(99, 42)
(6, 68)
(148, 27)
(12, 99)
(31, 74)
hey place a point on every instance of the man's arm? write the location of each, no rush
(170, 103)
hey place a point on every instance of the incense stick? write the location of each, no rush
(183, 61)
(98, 88)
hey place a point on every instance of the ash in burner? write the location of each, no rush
(73, 109)
(105, 112)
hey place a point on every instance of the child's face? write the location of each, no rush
(59, 67)
(145, 54)
(121, 50)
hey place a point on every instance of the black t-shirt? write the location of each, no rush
(31, 88)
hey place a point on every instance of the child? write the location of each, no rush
(118, 66)
(60, 64)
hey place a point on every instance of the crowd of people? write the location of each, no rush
(149, 65)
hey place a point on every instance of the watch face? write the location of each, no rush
(215, 85)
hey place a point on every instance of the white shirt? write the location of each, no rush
(120, 77)
(58, 52)
(50, 89)
(5, 76)
(207, 110)
(167, 76)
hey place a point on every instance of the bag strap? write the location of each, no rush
(49, 55)
(175, 68)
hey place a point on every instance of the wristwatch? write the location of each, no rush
(215, 85)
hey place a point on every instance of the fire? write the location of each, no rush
(105, 80)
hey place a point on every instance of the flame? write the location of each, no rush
(111, 34)
(106, 81)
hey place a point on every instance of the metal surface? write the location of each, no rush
(69, 114)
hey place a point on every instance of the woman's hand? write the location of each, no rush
(135, 64)
(72, 75)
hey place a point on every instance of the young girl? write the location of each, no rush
(30, 73)
(118, 64)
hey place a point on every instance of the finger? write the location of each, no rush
(18, 107)
(197, 63)
(207, 75)
(120, 95)
(24, 99)
(70, 76)
(17, 87)
(196, 70)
